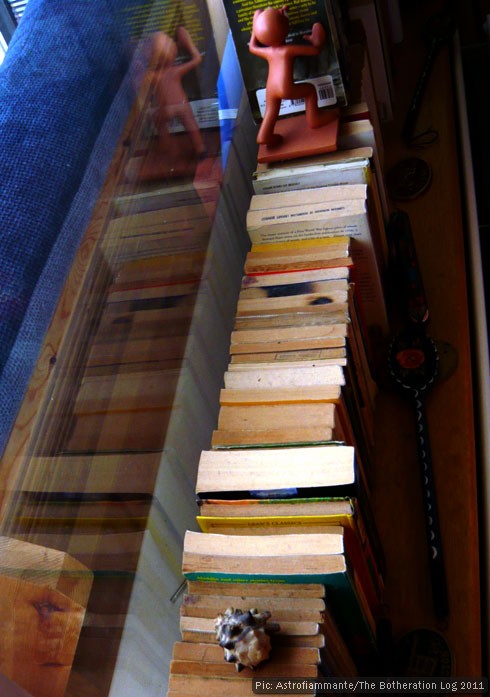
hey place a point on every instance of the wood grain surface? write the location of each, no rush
(437, 226)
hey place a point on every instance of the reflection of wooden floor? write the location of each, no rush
(438, 231)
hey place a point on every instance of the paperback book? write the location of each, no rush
(295, 558)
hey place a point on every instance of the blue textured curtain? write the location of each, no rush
(62, 106)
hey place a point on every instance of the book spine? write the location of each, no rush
(297, 180)
(208, 522)
(307, 229)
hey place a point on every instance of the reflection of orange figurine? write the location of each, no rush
(170, 97)
(269, 31)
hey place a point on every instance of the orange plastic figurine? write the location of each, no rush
(269, 31)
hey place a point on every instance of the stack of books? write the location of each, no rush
(290, 515)
(297, 362)
(304, 208)
(284, 490)
(332, 558)
(307, 637)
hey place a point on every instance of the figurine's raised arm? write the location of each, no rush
(318, 37)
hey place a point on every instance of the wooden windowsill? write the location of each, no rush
(438, 230)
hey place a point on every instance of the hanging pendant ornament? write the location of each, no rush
(413, 362)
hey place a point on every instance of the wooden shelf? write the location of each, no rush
(438, 230)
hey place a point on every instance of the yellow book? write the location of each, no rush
(272, 524)
(301, 245)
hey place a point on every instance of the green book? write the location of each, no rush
(288, 559)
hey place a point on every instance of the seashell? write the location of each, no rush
(244, 636)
